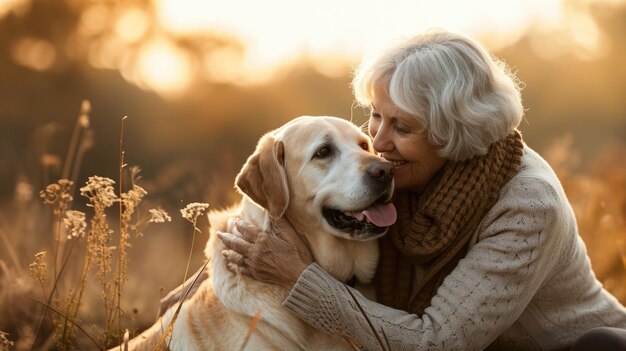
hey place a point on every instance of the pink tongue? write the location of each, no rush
(381, 215)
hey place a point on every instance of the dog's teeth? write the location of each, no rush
(357, 215)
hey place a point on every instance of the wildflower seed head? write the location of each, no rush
(99, 190)
(38, 267)
(75, 223)
(5, 343)
(194, 210)
(133, 197)
(57, 195)
(158, 215)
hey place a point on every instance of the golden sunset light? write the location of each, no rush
(141, 41)
(276, 32)
(130, 130)
(163, 67)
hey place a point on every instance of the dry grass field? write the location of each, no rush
(96, 254)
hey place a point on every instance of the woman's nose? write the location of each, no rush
(381, 141)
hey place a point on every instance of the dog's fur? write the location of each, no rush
(287, 176)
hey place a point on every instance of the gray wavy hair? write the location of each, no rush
(464, 98)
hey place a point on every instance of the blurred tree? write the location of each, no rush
(569, 93)
(114, 53)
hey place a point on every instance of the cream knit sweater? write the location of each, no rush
(525, 283)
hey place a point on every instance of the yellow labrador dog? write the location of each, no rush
(320, 173)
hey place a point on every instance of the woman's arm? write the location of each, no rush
(482, 297)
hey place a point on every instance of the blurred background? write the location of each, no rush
(201, 81)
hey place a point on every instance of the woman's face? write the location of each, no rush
(399, 138)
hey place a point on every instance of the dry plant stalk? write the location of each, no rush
(101, 195)
(99, 191)
(192, 212)
(39, 271)
(81, 123)
(170, 326)
(124, 236)
(58, 195)
(59, 313)
(98, 253)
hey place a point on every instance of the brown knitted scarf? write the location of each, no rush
(433, 228)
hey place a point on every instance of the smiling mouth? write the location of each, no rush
(365, 223)
(397, 164)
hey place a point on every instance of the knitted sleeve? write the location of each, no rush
(481, 298)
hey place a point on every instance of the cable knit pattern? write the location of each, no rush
(525, 283)
(433, 228)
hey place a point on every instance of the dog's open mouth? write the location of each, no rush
(369, 221)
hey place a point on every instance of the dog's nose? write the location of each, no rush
(380, 171)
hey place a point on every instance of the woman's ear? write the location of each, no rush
(263, 177)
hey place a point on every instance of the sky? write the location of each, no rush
(277, 27)
(333, 35)
(284, 30)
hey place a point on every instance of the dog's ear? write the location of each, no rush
(263, 177)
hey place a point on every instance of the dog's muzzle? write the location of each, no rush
(373, 220)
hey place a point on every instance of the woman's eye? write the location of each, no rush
(323, 152)
(375, 115)
(402, 131)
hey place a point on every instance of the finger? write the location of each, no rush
(230, 224)
(288, 232)
(244, 271)
(234, 242)
(233, 257)
(284, 225)
(238, 270)
(297, 240)
(233, 268)
(248, 231)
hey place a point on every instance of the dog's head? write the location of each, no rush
(322, 173)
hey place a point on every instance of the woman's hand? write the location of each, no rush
(276, 259)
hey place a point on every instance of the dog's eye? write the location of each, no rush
(323, 152)
(364, 145)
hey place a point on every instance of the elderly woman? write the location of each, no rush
(485, 252)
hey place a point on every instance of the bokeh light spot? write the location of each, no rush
(163, 67)
(37, 54)
(93, 20)
(132, 25)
